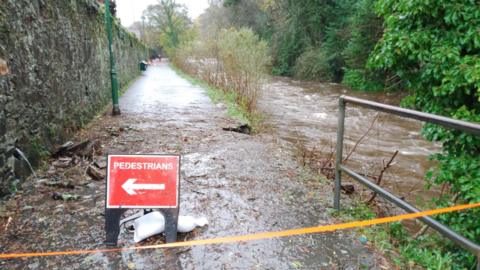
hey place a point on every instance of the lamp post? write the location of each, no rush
(143, 28)
(113, 71)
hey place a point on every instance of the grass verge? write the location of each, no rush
(408, 248)
(397, 244)
(234, 110)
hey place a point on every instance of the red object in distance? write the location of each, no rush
(143, 181)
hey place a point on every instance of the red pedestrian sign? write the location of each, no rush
(143, 181)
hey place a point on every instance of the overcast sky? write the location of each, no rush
(130, 11)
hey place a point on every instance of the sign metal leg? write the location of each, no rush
(171, 221)
(112, 226)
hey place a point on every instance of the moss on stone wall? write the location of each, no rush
(59, 73)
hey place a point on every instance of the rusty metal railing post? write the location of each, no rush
(339, 153)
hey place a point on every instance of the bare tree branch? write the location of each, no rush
(361, 138)
(380, 176)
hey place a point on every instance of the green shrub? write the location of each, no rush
(244, 58)
(434, 47)
(357, 79)
(234, 60)
(313, 64)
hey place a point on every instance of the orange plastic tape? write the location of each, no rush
(251, 237)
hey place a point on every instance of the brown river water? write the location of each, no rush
(305, 113)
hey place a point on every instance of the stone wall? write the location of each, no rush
(54, 75)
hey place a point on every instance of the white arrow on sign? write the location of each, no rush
(129, 186)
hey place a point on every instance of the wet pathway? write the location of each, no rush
(242, 184)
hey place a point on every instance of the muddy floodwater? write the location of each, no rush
(305, 113)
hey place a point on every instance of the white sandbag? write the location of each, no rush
(188, 223)
(154, 223)
(148, 225)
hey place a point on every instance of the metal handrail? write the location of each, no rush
(468, 127)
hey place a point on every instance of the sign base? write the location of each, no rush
(112, 225)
